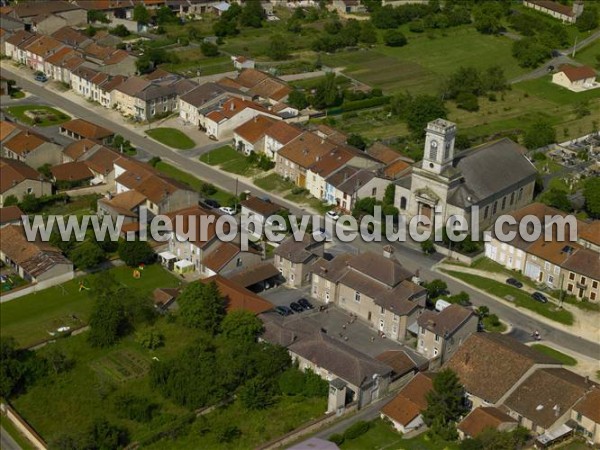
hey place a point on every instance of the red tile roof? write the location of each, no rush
(10, 214)
(410, 401)
(12, 172)
(577, 73)
(483, 417)
(24, 142)
(238, 297)
(255, 128)
(87, 129)
(71, 171)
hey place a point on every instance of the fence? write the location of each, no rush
(19, 292)
(26, 429)
(453, 254)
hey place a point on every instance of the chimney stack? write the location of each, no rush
(388, 251)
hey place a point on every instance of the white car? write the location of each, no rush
(227, 210)
(332, 215)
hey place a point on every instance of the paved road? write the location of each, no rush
(7, 442)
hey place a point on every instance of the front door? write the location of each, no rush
(426, 211)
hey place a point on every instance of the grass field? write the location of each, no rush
(588, 54)
(229, 160)
(29, 318)
(522, 299)
(172, 138)
(193, 60)
(49, 118)
(275, 183)
(549, 351)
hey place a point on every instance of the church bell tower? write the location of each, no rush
(439, 145)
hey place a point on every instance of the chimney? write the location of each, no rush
(388, 251)
(231, 106)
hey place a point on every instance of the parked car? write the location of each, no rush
(296, 307)
(514, 282)
(332, 215)
(539, 297)
(211, 203)
(41, 77)
(283, 311)
(305, 304)
(227, 210)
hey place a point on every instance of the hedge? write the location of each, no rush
(359, 104)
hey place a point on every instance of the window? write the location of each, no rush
(546, 265)
(435, 352)
(421, 343)
(238, 263)
(374, 192)
(315, 289)
(495, 208)
(447, 151)
(381, 310)
(578, 417)
(512, 198)
(396, 318)
(421, 330)
(570, 287)
(571, 276)
(486, 212)
(327, 296)
(550, 279)
(437, 338)
(504, 203)
(583, 280)
(556, 270)
(403, 203)
(593, 296)
(433, 147)
(594, 284)
(30, 190)
(357, 297)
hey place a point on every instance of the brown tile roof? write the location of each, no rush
(76, 149)
(332, 134)
(87, 129)
(220, 256)
(228, 82)
(71, 171)
(271, 89)
(34, 257)
(481, 418)
(112, 83)
(97, 51)
(101, 160)
(33, 9)
(445, 322)
(20, 37)
(234, 106)
(255, 274)
(238, 297)
(584, 262)
(186, 223)
(70, 36)
(73, 62)
(385, 270)
(398, 360)
(490, 364)
(283, 132)
(577, 73)
(12, 172)
(383, 153)
(251, 77)
(552, 251)
(411, 400)
(44, 46)
(61, 55)
(553, 6)
(6, 128)
(396, 168)
(255, 128)
(10, 214)
(125, 202)
(133, 86)
(164, 296)
(115, 57)
(590, 232)
(327, 164)
(260, 206)
(305, 149)
(547, 394)
(87, 73)
(298, 251)
(589, 406)
(24, 142)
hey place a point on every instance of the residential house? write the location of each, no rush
(257, 278)
(560, 11)
(581, 275)
(70, 175)
(348, 6)
(490, 366)
(238, 297)
(14, 46)
(102, 87)
(295, 258)
(39, 49)
(586, 413)
(442, 332)
(404, 411)
(376, 288)
(34, 261)
(353, 377)
(404, 365)
(576, 78)
(220, 121)
(349, 184)
(277, 136)
(589, 236)
(228, 257)
(82, 129)
(202, 97)
(48, 16)
(10, 215)
(54, 66)
(17, 179)
(72, 37)
(110, 60)
(395, 163)
(241, 62)
(260, 86)
(81, 80)
(250, 137)
(100, 160)
(258, 211)
(483, 418)
(31, 148)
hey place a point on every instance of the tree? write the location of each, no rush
(12, 370)
(591, 193)
(226, 433)
(30, 204)
(557, 198)
(494, 79)
(422, 110)
(297, 99)
(134, 253)
(390, 194)
(327, 93)
(435, 288)
(11, 200)
(540, 134)
(241, 326)
(529, 52)
(150, 338)
(428, 247)
(588, 20)
(120, 30)
(467, 101)
(445, 405)
(58, 361)
(257, 393)
(356, 140)
(90, 31)
(492, 439)
(209, 49)
(86, 255)
(368, 33)
(105, 435)
(107, 321)
(292, 382)
(252, 15)
(165, 15)
(278, 48)
(96, 16)
(487, 17)
(134, 407)
(202, 306)
(141, 14)
(394, 38)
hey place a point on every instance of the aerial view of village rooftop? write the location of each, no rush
(300, 224)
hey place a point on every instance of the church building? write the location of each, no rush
(497, 177)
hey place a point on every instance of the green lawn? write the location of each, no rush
(545, 89)
(49, 116)
(15, 434)
(229, 160)
(549, 351)
(223, 197)
(588, 54)
(274, 182)
(75, 206)
(521, 299)
(491, 328)
(29, 318)
(172, 138)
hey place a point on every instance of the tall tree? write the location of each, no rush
(241, 326)
(540, 134)
(202, 306)
(141, 14)
(445, 405)
(591, 193)
(136, 252)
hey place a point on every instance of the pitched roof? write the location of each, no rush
(283, 132)
(251, 77)
(76, 149)
(270, 88)
(385, 270)
(43, 46)
(305, 149)
(590, 232)
(398, 360)
(191, 219)
(238, 297)
(446, 322)
(12, 172)
(24, 142)
(260, 206)
(133, 86)
(255, 128)
(101, 160)
(489, 364)
(6, 129)
(37, 8)
(233, 106)
(547, 394)
(332, 161)
(383, 153)
(71, 171)
(112, 83)
(589, 405)
(87, 129)
(553, 6)
(254, 274)
(411, 400)
(220, 256)
(70, 36)
(395, 168)
(481, 418)
(202, 94)
(125, 202)
(298, 251)
(20, 37)
(584, 262)
(576, 73)
(164, 296)
(10, 214)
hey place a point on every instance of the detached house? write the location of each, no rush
(79, 129)
(17, 179)
(220, 121)
(404, 411)
(576, 79)
(192, 103)
(31, 148)
(374, 287)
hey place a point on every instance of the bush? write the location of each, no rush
(337, 439)
(209, 49)
(154, 161)
(133, 407)
(467, 101)
(394, 38)
(120, 30)
(208, 189)
(134, 253)
(357, 429)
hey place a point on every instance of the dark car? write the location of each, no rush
(514, 282)
(283, 310)
(539, 297)
(212, 203)
(305, 304)
(296, 307)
